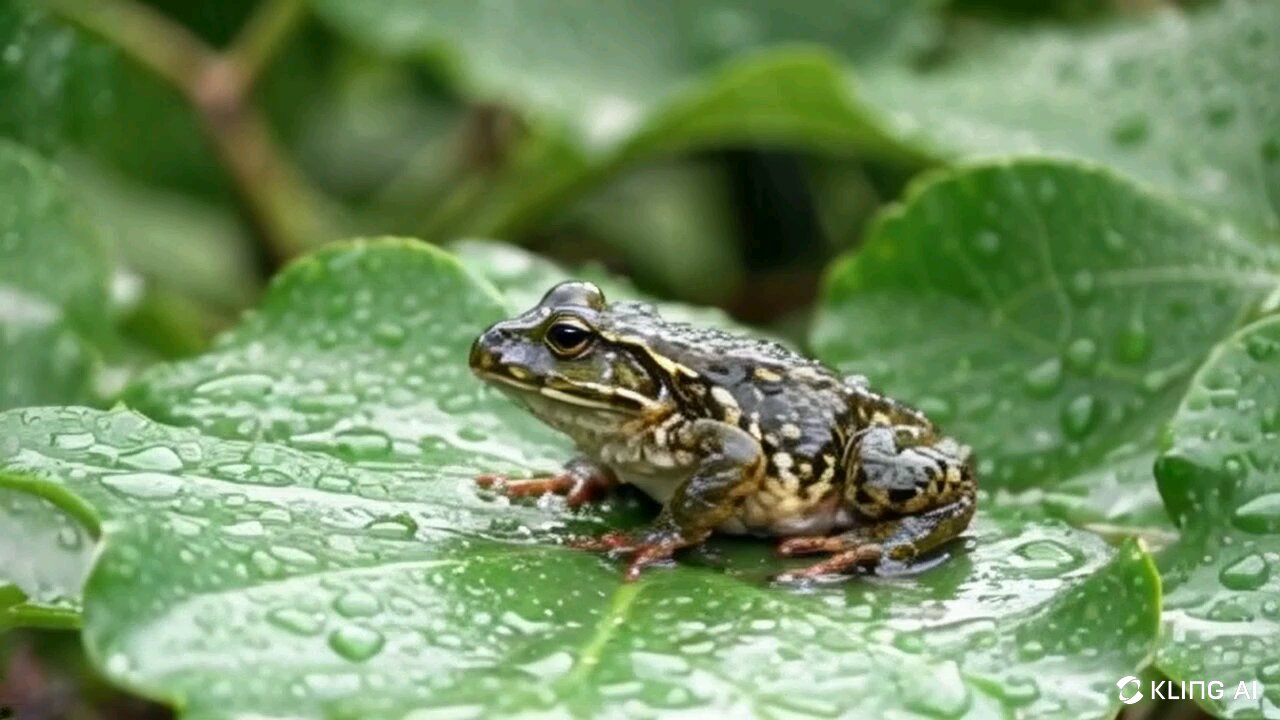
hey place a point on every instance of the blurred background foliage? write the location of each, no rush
(718, 153)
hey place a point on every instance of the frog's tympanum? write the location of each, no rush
(730, 434)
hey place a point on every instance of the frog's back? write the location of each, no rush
(801, 412)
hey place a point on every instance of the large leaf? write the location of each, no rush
(1048, 313)
(1220, 478)
(1186, 101)
(336, 559)
(607, 83)
(53, 286)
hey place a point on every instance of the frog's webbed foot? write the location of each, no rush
(846, 554)
(580, 482)
(645, 548)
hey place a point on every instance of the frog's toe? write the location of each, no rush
(808, 545)
(647, 555)
(840, 562)
(608, 542)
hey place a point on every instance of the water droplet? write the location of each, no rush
(1133, 345)
(1080, 416)
(238, 385)
(357, 603)
(70, 538)
(296, 621)
(293, 556)
(145, 485)
(362, 443)
(1248, 573)
(1260, 348)
(1114, 241)
(356, 642)
(1044, 379)
(1082, 355)
(1131, 131)
(1081, 285)
(1259, 515)
(1046, 558)
(987, 242)
(389, 334)
(73, 441)
(153, 458)
(393, 527)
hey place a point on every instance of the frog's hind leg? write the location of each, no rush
(899, 539)
(910, 491)
(580, 482)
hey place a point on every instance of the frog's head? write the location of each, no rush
(566, 362)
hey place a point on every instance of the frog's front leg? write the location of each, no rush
(581, 481)
(731, 468)
(910, 492)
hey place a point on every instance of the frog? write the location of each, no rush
(729, 433)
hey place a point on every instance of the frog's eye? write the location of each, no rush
(568, 338)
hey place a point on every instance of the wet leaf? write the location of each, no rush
(1182, 100)
(1050, 314)
(53, 286)
(1220, 477)
(339, 550)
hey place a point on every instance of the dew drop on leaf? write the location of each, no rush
(1259, 515)
(357, 603)
(1044, 379)
(144, 485)
(298, 622)
(356, 642)
(153, 458)
(1082, 355)
(1248, 573)
(1080, 416)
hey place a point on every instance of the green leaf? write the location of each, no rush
(336, 560)
(45, 554)
(1183, 100)
(1050, 314)
(1220, 478)
(608, 83)
(53, 286)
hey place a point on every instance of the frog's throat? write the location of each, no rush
(602, 397)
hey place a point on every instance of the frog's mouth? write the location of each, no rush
(581, 394)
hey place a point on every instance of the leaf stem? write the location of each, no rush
(289, 215)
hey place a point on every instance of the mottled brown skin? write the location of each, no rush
(729, 433)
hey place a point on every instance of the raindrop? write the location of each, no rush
(393, 527)
(1259, 515)
(153, 458)
(1082, 355)
(296, 621)
(356, 642)
(1248, 573)
(1080, 416)
(251, 385)
(73, 441)
(145, 485)
(1044, 379)
(389, 334)
(1133, 345)
(987, 242)
(357, 603)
